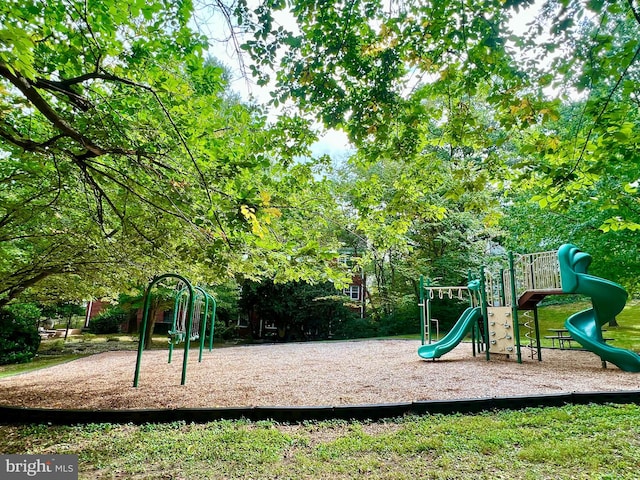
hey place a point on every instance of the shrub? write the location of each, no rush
(222, 331)
(19, 339)
(108, 321)
(356, 327)
(402, 322)
(28, 313)
(298, 310)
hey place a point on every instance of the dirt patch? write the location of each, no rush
(306, 374)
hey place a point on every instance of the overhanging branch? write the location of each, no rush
(29, 90)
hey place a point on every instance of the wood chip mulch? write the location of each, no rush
(306, 374)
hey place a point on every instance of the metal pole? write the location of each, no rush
(514, 307)
(475, 331)
(483, 305)
(213, 323)
(143, 329)
(503, 300)
(537, 327)
(428, 306)
(145, 317)
(203, 325)
(422, 308)
(187, 340)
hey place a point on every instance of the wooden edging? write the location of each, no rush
(18, 415)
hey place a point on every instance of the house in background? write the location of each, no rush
(357, 289)
(94, 308)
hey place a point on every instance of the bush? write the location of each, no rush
(19, 339)
(356, 327)
(299, 311)
(402, 322)
(223, 332)
(28, 313)
(108, 321)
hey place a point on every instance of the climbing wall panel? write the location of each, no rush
(501, 335)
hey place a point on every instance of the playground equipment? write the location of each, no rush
(608, 300)
(178, 331)
(469, 321)
(189, 320)
(528, 280)
(501, 299)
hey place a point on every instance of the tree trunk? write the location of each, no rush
(15, 290)
(151, 321)
(66, 332)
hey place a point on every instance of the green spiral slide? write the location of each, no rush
(608, 300)
(454, 337)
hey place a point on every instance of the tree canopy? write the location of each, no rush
(125, 155)
(123, 152)
(549, 116)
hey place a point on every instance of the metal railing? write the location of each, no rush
(533, 271)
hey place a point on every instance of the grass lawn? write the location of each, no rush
(626, 335)
(572, 442)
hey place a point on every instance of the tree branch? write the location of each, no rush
(601, 113)
(11, 135)
(29, 91)
(103, 75)
(149, 89)
(635, 12)
(14, 290)
(76, 99)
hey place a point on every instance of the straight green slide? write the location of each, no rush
(454, 337)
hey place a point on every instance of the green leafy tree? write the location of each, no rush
(529, 227)
(551, 115)
(428, 93)
(425, 202)
(123, 156)
(579, 167)
(357, 65)
(299, 311)
(90, 135)
(585, 155)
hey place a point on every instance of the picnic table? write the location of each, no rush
(563, 337)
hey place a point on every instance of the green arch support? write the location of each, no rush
(145, 319)
(203, 326)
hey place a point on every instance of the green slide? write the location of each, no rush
(608, 300)
(454, 337)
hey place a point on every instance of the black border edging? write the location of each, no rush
(19, 415)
